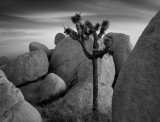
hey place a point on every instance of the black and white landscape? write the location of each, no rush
(79, 61)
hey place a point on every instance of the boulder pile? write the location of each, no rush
(59, 82)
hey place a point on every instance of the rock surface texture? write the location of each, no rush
(13, 107)
(27, 67)
(136, 96)
(21, 112)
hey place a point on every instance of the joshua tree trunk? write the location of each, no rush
(95, 79)
(95, 89)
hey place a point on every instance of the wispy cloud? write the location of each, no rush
(23, 21)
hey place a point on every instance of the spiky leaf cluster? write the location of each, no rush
(87, 28)
(97, 26)
(104, 27)
(76, 18)
(67, 31)
(88, 24)
(71, 33)
(105, 24)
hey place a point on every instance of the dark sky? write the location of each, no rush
(24, 21)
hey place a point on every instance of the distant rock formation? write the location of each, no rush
(13, 107)
(69, 61)
(27, 67)
(136, 95)
(58, 38)
(122, 47)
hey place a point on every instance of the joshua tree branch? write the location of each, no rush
(104, 27)
(85, 50)
(79, 31)
(95, 43)
(101, 33)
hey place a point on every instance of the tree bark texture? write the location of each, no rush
(95, 90)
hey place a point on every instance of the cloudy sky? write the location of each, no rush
(24, 21)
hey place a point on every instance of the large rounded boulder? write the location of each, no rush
(122, 47)
(69, 61)
(136, 95)
(51, 86)
(27, 67)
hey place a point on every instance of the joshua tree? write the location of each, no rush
(84, 30)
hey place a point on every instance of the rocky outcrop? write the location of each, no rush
(78, 100)
(69, 61)
(27, 67)
(13, 106)
(137, 93)
(51, 86)
(3, 60)
(58, 38)
(122, 47)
